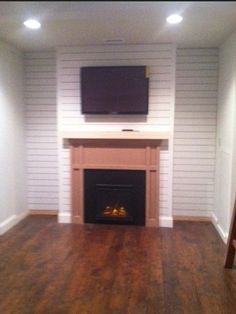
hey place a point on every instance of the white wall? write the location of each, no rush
(195, 121)
(195, 132)
(226, 137)
(196, 75)
(12, 149)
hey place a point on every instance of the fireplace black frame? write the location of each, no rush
(128, 186)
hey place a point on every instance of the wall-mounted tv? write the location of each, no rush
(114, 90)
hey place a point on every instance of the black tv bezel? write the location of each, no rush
(138, 113)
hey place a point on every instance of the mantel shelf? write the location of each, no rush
(126, 135)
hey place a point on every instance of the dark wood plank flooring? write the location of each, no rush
(48, 268)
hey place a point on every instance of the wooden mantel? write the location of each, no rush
(115, 150)
(132, 135)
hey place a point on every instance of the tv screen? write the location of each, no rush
(114, 90)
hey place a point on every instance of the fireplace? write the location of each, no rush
(138, 152)
(114, 196)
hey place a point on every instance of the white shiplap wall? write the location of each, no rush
(195, 132)
(41, 130)
(161, 60)
(195, 120)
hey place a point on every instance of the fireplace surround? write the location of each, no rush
(116, 151)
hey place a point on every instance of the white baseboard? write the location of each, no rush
(166, 221)
(64, 218)
(224, 235)
(12, 221)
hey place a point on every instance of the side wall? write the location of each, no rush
(12, 149)
(226, 137)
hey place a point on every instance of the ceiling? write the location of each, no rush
(66, 23)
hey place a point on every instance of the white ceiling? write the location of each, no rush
(205, 24)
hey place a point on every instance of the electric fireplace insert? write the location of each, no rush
(114, 196)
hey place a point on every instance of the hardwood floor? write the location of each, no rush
(50, 268)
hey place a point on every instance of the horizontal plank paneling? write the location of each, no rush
(195, 119)
(41, 130)
(159, 58)
(195, 131)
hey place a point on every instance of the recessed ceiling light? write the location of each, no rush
(174, 19)
(32, 24)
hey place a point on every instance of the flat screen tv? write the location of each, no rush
(114, 90)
